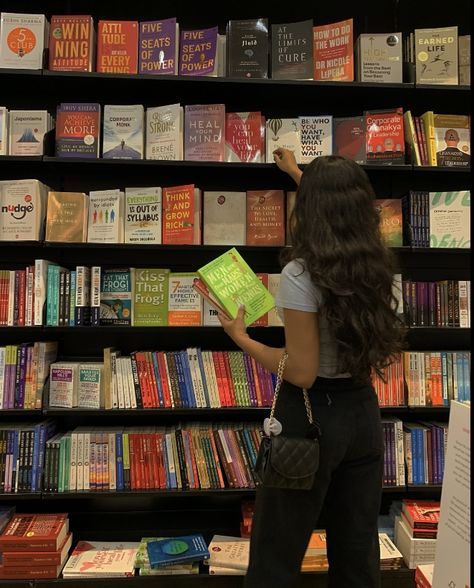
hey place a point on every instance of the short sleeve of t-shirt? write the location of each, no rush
(296, 290)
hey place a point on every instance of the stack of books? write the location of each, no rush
(142, 562)
(390, 556)
(424, 575)
(173, 551)
(6, 513)
(101, 559)
(416, 530)
(34, 546)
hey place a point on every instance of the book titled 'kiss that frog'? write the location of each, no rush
(231, 283)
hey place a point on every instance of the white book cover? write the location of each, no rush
(27, 129)
(123, 131)
(106, 216)
(229, 552)
(90, 385)
(22, 210)
(224, 218)
(184, 303)
(379, 57)
(450, 219)
(101, 559)
(22, 40)
(274, 319)
(164, 132)
(143, 215)
(283, 132)
(63, 384)
(3, 130)
(40, 285)
(131, 385)
(316, 137)
(209, 315)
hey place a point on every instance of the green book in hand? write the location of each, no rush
(231, 282)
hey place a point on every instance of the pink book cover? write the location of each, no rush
(204, 132)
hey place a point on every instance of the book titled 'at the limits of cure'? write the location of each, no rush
(228, 282)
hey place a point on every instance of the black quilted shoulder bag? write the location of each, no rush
(288, 462)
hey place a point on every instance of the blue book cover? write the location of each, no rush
(183, 392)
(159, 387)
(466, 377)
(189, 382)
(72, 298)
(203, 377)
(186, 548)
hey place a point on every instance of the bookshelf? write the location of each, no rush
(131, 515)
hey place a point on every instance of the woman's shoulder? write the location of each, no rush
(294, 268)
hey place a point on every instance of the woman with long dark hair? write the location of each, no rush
(339, 313)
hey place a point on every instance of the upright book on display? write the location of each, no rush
(283, 133)
(143, 215)
(247, 48)
(334, 52)
(164, 132)
(117, 46)
(198, 53)
(27, 131)
(224, 218)
(204, 132)
(158, 47)
(292, 50)
(72, 43)
(452, 140)
(23, 39)
(77, 129)
(436, 56)
(385, 136)
(315, 137)
(105, 216)
(245, 137)
(22, 210)
(123, 136)
(379, 58)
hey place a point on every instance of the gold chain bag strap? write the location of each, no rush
(288, 462)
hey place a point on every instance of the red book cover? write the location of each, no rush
(349, 138)
(25, 573)
(155, 403)
(256, 379)
(153, 457)
(421, 514)
(216, 460)
(333, 51)
(31, 559)
(71, 43)
(142, 461)
(133, 453)
(21, 275)
(384, 136)
(178, 215)
(160, 461)
(164, 380)
(263, 320)
(117, 46)
(38, 532)
(219, 379)
(229, 379)
(266, 218)
(244, 137)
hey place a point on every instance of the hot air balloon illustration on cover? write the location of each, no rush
(283, 132)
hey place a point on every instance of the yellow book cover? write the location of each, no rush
(66, 218)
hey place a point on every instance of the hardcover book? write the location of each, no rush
(38, 558)
(285, 133)
(247, 48)
(22, 40)
(315, 136)
(244, 137)
(150, 297)
(164, 132)
(34, 532)
(385, 138)
(198, 52)
(390, 210)
(116, 297)
(123, 132)
(333, 52)
(436, 55)
(66, 217)
(22, 210)
(379, 58)
(27, 130)
(101, 559)
(77, 129)
(186, 548)
(184, 303)
(71, 43)
(452, 140)
(204, 132)
(117, 46)
(158, 47)
(292, 50)
(224, 218)
(449, 219)
(349, 138)
(265, 218)
(105, 216)
(181, 215)
(143, 215)
(231, 282)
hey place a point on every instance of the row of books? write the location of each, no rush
(292, 50)
(444, 303)
(206, 132)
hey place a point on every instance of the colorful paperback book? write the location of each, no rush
(198, 52)
(334, 52)
(204, 132)
(105, 559)
(349, 138)
(391, 225)
(164, 132)
(174, 550)
(158, 47)
(105, 216)
(184, 303)
(27, 130)
(285, 133)
(123, 131)
(22, 40)
(116, 297)
(232, 282)
(244, 137)
(315, 137)
(452, 140)
(292, 50)
(181, 215)
(143, 215)
(71, 43)
(77, 129)
(385, 137)
(150, 297)
(38, 532)
(117, 46)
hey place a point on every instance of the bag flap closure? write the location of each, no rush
(294, 458)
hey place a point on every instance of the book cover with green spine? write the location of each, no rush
(150, 297)
(232, 282)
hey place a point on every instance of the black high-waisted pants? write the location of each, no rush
(348, 484)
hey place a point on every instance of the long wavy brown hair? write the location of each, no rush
(335, 232)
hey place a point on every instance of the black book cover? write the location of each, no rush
(247, 48)
(292, 51)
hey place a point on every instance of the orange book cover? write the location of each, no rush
(263, 320)
(229, 379)
(219, 378)
(71, 43)
(266, 218)
(178, 215)
(333, 51)
(117, 46)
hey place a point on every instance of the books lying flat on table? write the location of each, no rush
(175, 550)
(101, 559)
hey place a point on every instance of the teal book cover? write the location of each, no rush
(186, 548)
